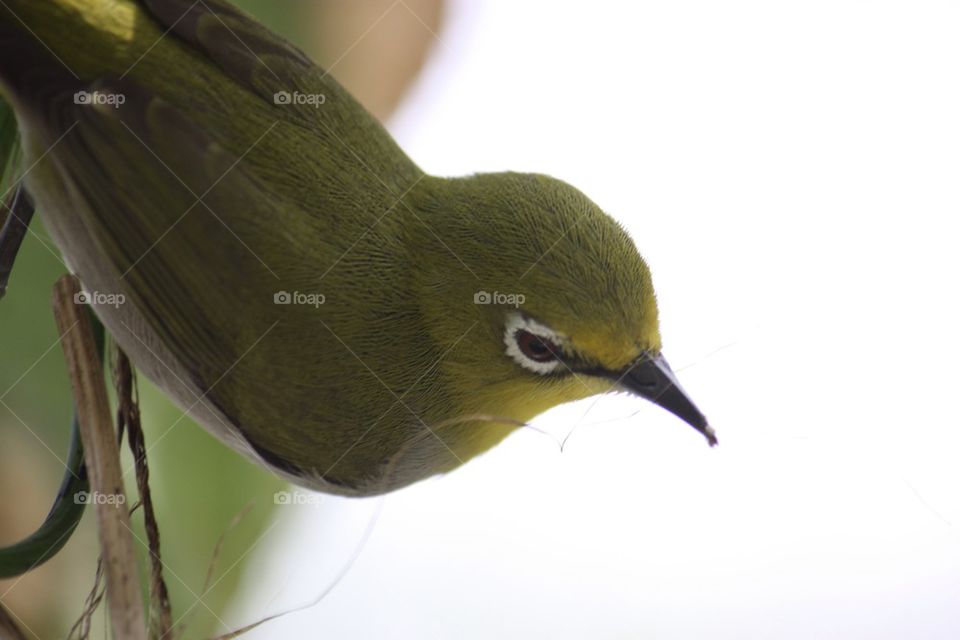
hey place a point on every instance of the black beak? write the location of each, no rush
(652, 378)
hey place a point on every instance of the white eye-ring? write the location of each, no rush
(534, 346)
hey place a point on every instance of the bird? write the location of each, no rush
(266, 253)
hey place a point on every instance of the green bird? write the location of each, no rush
(265, 252)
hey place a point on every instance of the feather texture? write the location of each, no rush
(199, 179)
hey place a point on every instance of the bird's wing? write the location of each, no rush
(170, 230)
(267, 65)
(159, 212)
(252, 55)
(179, 219)
(191, 213)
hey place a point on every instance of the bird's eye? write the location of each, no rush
(533, 345)
(536, 348)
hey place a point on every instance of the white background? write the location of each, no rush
(790, 171)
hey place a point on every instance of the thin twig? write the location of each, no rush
(128, 416)
(103, 461)
(81, 628)
(215, 556)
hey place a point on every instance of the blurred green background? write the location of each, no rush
(375, 48)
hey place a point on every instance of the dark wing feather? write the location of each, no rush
(291, 200)
(265, 64)
(147, 205)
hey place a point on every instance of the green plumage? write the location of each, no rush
(200, 198)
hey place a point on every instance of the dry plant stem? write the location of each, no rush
(128, 416)
(81, 628)
(103, 462)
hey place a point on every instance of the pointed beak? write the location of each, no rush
(652, 378)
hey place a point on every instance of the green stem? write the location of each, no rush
(67, 510)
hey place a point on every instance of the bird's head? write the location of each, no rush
(538, 297)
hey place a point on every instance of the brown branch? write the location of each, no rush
(103, 461)
(128, 416)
